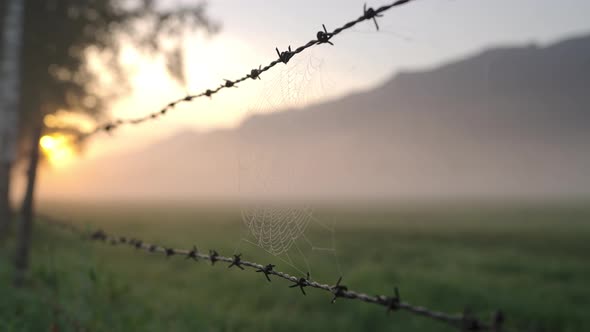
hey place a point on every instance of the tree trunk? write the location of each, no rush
(25, 229)
(11, 40)
(5, 211)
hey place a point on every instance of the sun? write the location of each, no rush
(57, 148)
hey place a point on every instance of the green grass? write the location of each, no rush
(532, 262)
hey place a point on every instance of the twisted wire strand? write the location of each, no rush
(464, 322)
(322, 37)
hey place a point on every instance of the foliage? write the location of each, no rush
(62, 36)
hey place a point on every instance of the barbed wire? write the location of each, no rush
(465, 321)
(322, 37)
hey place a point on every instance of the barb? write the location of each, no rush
(465, 321)
(237, 262)
(322, 37)
(301, 283)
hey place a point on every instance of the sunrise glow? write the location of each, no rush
(57, 149)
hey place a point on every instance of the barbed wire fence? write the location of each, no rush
(464, 321)
(322, 37)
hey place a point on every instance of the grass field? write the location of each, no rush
(532, 262)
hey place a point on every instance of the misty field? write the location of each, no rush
(530, 261)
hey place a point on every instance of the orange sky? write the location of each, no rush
(420, 35)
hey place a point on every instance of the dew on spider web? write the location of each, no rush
(275, 216)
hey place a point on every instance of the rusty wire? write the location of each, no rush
(322, 37)
(465, 321)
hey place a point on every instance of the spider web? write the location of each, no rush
(276, 228)
(284, 227)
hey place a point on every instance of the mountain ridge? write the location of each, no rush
(505, 121)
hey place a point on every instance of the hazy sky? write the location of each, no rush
(419, 35)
